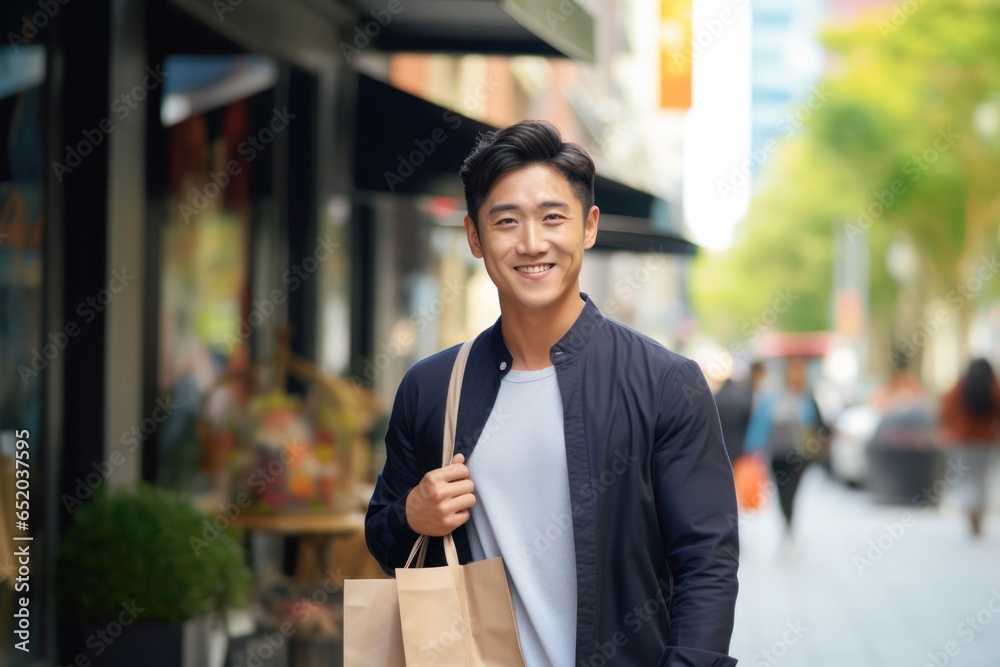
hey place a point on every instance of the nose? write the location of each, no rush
(532, 239)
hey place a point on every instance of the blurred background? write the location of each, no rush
(228, 227)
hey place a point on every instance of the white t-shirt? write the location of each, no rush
(523, 512)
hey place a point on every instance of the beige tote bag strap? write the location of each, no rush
(450, 425)
(419, 550)
(451, 404)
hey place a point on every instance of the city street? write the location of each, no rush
(867, 585)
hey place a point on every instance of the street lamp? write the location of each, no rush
(902, 260)
(986, 120)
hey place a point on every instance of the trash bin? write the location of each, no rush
(904, 459)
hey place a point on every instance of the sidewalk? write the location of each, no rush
(867, 586)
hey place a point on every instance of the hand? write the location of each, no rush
(441, 502)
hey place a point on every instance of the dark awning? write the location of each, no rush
(537, 27)
(407, 145)
(638, 235)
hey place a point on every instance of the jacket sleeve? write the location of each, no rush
(387, 531)
(698, 518)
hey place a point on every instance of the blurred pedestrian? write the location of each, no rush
(784, 427)
(970, 422)
(735, 402)
(902, 391)
(908, 416)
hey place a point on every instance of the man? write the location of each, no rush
(587, 456)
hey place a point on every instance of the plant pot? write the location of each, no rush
(194, 643)
(899, 476)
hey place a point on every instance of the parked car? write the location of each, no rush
(853, 429)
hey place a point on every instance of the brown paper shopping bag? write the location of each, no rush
(451, 616)
(371, 624)
(458, 615)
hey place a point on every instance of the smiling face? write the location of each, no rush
(531, 237)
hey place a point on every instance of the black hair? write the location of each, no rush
(978, 390)
(899, 359)
(524, 144)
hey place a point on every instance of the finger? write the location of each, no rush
(454, 472)
(459, 488)
(460, 504)
(459, 518)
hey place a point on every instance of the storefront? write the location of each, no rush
(172, 175)
(179, 180)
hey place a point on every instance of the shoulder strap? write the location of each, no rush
(419, 550)
(451, 405)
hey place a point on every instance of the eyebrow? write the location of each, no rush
(552, 203)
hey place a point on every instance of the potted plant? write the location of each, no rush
(136, 572)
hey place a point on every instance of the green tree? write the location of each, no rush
(902, 145)
(906, 91)
(786, 246)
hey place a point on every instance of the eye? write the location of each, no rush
(555, 216)
(505, 221)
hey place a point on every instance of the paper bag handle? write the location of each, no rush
(419, 550)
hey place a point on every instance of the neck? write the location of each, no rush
(530, 334)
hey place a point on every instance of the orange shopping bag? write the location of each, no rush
(751, 477)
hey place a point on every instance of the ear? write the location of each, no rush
(473, 236)
(590, 227)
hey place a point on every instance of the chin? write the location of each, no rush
(536, 301)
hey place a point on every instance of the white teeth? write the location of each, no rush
(535, 269)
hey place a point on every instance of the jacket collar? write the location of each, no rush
(573, 341)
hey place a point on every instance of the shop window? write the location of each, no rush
(219, 115)
(429, 288)
(334, 289)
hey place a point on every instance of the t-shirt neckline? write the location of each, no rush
(516, 375)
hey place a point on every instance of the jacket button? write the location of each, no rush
(503, 365)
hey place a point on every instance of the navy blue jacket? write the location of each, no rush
(651, 488)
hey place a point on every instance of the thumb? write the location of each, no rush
(458, 458)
